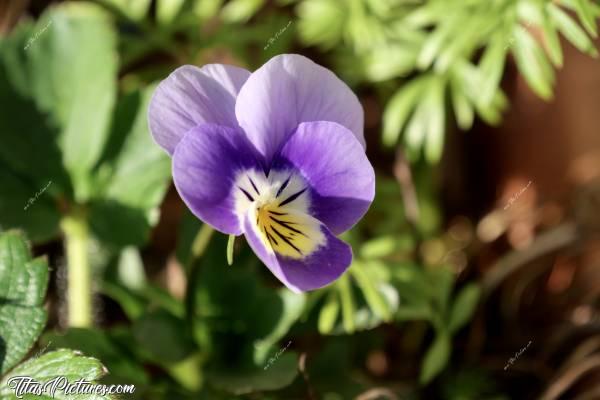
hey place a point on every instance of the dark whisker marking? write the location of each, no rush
(253, 185)
(285, 239)
(283, 186)
(276, 213)
(271, 238)
(285, 225)
(247, 194)
(292, 197)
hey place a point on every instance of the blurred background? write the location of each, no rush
(476, 273)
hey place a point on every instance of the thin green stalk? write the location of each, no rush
(79, 292)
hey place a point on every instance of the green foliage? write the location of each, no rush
(438, 43)
(61, 363)
(102, 162)
(23, 284)
(75, 142)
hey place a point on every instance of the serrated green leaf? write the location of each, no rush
(22, 290)
(61, 363)
(103, 345)
(436, 358)
(463, 307)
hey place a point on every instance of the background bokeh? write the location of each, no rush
(476, 272)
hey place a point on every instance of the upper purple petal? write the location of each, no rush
(191, 96)
(318, 269)
(205, 165)
(288, 90)
(337, 169)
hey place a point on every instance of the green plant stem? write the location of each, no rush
(79, 293)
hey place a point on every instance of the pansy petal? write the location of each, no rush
(205, 166)
(191, 96)
(319, 268)
(288, 90)
(336, 167)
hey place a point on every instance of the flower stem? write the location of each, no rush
(79, 293)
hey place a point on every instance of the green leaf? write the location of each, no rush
(329, 314)
(61, 363)
(586, 16)
(141, 169)
(117, 357)
(27, 207)
(73, 70)
(23, 284)
(29, 148)
(134, 9)
(118, 225)
(344, 287)
(389, 61)
(133, 177)
(168, 10)
(281, 373)
(230, 248)
(463, 110)
(373, 296)
(321, 22)
(130, 269)
(436, 358)
(167, 342)
(413, 312)
(438, 39)
(492, 67)
(533, 64)
(205, 9)
(292, 307)
(552, 42)
(400, 107)
(240, 10)
(434, 142)
(463, 307)
(569, 28)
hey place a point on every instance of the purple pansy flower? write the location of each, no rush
(277, 155)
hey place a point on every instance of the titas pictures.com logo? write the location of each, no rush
(26, 385)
